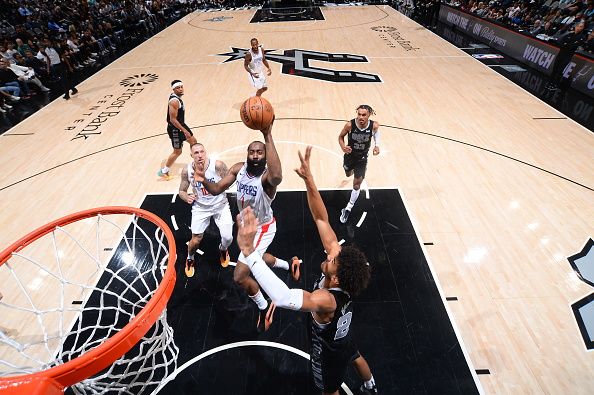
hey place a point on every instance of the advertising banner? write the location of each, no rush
(530, 51)
(580, 71)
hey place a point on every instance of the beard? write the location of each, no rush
(256, 167)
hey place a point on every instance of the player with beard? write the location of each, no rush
(257, 179)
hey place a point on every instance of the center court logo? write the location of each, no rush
(297, 62)
(139, 79)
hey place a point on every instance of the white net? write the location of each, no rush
(75, 287)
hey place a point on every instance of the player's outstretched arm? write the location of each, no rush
(317, 207)
(320, 301)
(216, 188)
(274, 175)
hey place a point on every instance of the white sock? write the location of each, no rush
(259, 300)
(282, 264)
(370, 383)
(190, 256)
(165, 170)
(353, 199)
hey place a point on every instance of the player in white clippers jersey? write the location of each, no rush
(205, 205)
(255, 60)
(345, 273)
(257, 179)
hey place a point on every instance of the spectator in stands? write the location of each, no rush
(9, 82)
(40, 66)
(21, 47)
(26, 75)
(588, 45)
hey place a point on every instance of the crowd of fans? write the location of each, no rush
(567, 23)
(51, 43)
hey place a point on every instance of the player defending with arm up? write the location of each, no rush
(345, 273)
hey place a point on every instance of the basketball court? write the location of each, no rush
(476, 215)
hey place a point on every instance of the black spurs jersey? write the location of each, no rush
(334, 336)
(360, 140)
(181, 112)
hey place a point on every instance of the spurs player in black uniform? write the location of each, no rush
(345, 273)
(177, 130)
(359, 131)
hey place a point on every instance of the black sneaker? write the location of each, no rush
(265, 317)
(66, 96)
(344, 215)
(74, 91)
(367, 391)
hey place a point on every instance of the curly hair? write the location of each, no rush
(353, 270)
(366, 107)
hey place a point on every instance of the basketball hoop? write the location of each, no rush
(109, 273)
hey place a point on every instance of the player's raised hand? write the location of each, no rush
(247, 225)
(304, 171)
(268, 129)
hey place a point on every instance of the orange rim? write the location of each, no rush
(105, 354)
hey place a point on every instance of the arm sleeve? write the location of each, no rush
(278, 291)
(376, 138)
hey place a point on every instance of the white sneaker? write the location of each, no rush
(14, 98)
(344, 215)
(7, 106)
(45, 89)
(3, 111)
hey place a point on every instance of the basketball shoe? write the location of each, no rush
(224, 257)
(265, 317)
(164, 176)
(344, 215)
(189, 267)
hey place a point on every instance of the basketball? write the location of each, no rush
(256, 113)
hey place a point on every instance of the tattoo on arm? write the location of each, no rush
(221, 169)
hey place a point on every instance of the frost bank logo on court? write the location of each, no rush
(583, 264)
(139, 80)
(392, 37)
(296, 62)
(92, 119)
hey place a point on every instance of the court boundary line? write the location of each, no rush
(442, 294)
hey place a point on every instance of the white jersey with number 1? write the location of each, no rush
(250, 192)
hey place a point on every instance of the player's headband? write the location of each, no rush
(176, 84)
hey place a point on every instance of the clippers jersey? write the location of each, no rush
(360, 140)
(256, 63)
(181, 112)
(250, 192)
(204, 199)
